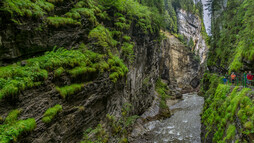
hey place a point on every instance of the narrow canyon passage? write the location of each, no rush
(185, 124)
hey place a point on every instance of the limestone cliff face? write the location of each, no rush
(178, 62)
(190, 25)
(90, 106)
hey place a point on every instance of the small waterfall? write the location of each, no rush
(207, 17)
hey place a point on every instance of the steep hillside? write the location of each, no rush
(232, 39)
(84, 70)
(111, 55)
(228, 113)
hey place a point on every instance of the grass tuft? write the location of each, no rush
(12, 129)
(51, 113)
(69, 90)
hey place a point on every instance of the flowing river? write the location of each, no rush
(184, 126)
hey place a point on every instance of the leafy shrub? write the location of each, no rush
(51, 113)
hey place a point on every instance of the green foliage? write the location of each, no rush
(162, 89)
(230, 132)
(55, 1)
(51, 113)
(222, 106)
(117, 128)
(76, 13)
(127, 50)
(16, 78)
(117, 67)
(27, 8)
(69, 89)
(212, 80)
(191, 43)
(126, 38)
(189, 6)
(12, 116)
(248, 125)
(58, 72)
(103, 38)
(99, 132)
(12, 129)
(60, 21)
(232, 43)
(82, 70)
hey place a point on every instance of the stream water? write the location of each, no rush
(185, 124)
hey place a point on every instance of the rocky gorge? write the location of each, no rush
(169, 59)
(115, 71)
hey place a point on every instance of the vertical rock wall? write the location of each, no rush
(177, 63)
(190, 26)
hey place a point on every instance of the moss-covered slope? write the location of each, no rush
(228, 113)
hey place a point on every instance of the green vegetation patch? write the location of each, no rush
(117, 128)
(15, 78)
(232, 40)
(12, 129)
(222, 106)
(28, 8)
(12, 116)
(102, 38)
(60, 21)
(69, 90)
(127, 50)
(162, 89)
(51, 113)
(58, 72)
(117, 67)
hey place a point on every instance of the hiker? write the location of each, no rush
(244, 78)
(233, 76)
(226, 78)
(249, 78)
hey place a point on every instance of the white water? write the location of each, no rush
(184, 126)
(206, 17)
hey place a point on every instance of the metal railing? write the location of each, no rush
(239, 81)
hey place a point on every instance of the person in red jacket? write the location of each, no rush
(249, 78)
